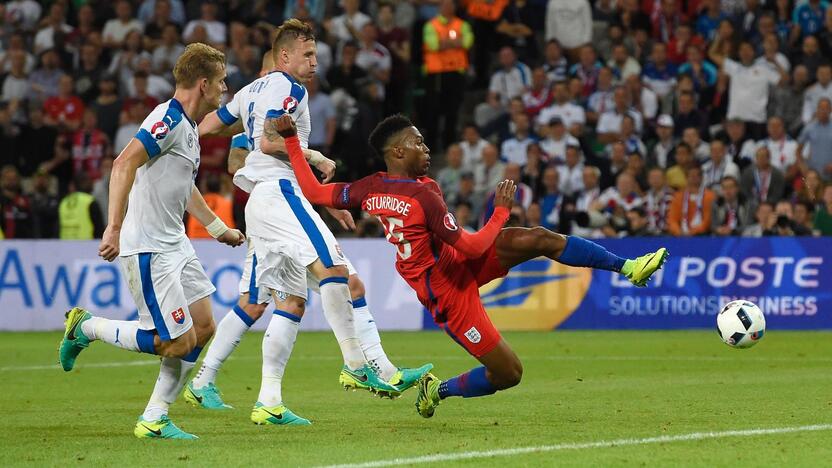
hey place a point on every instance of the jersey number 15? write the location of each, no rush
(404, 249)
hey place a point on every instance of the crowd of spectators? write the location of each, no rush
(615, 118)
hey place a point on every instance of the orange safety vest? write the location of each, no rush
(221, 206)
(448, 60)
(488, 10)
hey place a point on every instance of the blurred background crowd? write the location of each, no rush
(616, 118)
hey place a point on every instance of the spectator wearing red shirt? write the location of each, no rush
(89, 145)
(64, 111)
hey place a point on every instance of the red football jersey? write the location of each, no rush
(414, 215)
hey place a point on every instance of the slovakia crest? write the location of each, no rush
(178, 316)
(450, 222)
(159, 130)
(290, 104)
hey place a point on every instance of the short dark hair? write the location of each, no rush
(385, 130)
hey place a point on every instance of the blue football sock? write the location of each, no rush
(471, 384)
(580, 252)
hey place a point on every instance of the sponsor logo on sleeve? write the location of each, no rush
(450, 222)
(159, 130)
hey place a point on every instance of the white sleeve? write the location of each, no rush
(604, 124)
(729, 67)
(230, 112)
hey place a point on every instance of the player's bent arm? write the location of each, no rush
(212, 125)
(123, 174)
(273, 144)
(236, 159)
(476, 244)
(314, 191)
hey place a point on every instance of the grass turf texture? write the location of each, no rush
(577, 387)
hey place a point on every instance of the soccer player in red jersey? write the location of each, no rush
(444, 264)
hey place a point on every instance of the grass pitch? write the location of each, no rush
(581, 393)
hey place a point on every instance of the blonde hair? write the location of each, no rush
(197, 61)
(288, 32)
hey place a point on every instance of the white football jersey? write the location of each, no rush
(163, 185)
(270, 96)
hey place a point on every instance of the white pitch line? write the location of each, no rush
(441, 457)
(460, 358)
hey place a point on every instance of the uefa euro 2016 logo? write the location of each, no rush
(536, 295)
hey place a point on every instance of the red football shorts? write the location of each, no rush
(451, 294)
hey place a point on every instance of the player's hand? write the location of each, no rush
(327, 168)
(504, 196)
(344, 217)
(108, 249)
(285, 126)
(232, 237)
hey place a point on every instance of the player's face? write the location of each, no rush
(416, 152)
(301, 60)
(214, 89)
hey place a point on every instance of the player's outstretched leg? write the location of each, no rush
(516, 245)
(202, 391)
(278, 343)
(82, 328)
(501, 369)
(402, 378)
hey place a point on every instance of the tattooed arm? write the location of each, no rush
(272, 143)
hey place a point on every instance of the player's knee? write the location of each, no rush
(337, 271)
(204, 331)
(356, 287)
(295, 305)
(547, 241)
(255, 311)
(509, 376)
(179, 347)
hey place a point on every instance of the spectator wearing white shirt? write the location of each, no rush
(214, 29)
(571, 172)
(489, 172)
(570, 22)
(623, 64)
(586, 198)
(166, 53)
(346, 26)
(643, 98)
(609, 124)
(510, 81)
(14, 87)
(556, 140)
(373, 57)
(783, 149)
(55, 22)
(749, 88)
(513, 149)
(116, 30)
(17, 42)
(717, 167)
(24, 13)
(157, 87)
(472, 145)
(630, 138)
(572, 115)
(772, 57)
(821, 89)
(657, 200)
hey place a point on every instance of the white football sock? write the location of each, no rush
(226, 338)
(278, 343)
(115, 332)
(170, 373)
(365, 328)
(335, 300)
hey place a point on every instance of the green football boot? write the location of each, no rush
(208, 397)
(428, 398)
(640, 270)
(74, 340)
(276, 415)
(164, 428)
(404, 378)
(364, 378)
